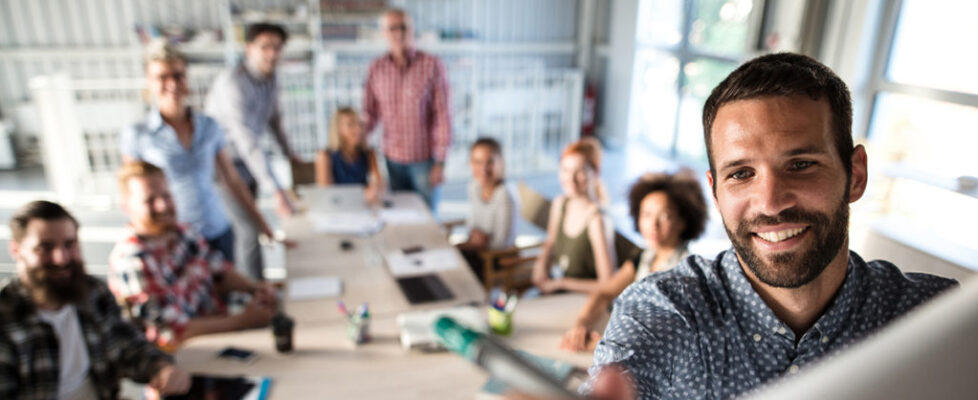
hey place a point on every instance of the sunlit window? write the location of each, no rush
(684, 49)
(924, 123)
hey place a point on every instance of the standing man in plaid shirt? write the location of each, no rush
(61, 333)
(173, 282)
(407, 92)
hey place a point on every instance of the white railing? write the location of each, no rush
(533, 111)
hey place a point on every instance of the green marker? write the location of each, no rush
(493, 356)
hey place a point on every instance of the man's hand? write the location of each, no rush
(284, 204)
(258, 312)
(612, 383)
(579, 338)
(437, 175)
(170, 380)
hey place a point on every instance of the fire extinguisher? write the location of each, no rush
(589, 109)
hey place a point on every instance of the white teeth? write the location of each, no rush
(778, 236)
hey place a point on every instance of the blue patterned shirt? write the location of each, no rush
(701, 331)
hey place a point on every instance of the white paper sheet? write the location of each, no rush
(317, 287)
(355, 223)
(403, 216)
(422, 262)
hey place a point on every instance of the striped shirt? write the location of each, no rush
(245, 106)
(167, 282)
(412, 103)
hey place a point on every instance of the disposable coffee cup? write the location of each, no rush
(282, 328)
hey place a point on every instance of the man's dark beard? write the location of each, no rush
(793, 270)
(53, 290)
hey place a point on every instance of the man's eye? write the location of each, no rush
(802, 164)
(740, 175)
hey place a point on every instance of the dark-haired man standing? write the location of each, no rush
(61, 333)
(244, 100)
(784, 170)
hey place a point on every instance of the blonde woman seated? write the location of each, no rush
(669, 211)
(577, 254)
(349, 160)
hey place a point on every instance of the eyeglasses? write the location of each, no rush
(176, 76)
(398, 27)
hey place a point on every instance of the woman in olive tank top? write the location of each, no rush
(669, 211)
(577, 254)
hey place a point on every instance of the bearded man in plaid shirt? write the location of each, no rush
(61, 332)
(407, 92)
(172, 281)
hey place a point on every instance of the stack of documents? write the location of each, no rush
(355, 223)
(318, 287)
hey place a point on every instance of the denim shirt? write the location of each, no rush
(701, 331)
(189, 172)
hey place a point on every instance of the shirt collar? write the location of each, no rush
(410, 54)
(154, 120)
(756, 318)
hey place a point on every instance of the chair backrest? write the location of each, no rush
(624, 248)
(303, 173)
(534, 207)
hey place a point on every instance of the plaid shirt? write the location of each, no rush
(412, 103)
(167, 282)
(29, 367)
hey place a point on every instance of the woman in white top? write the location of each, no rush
(669, 211)
(492, 215)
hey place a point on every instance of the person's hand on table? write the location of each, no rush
(437, 175)
(550, 286)
(285, 205)
(579, 339)
(170, 380)
(371, 195)
(612, 383)
(258, 312)
(478, 239)
(266, 294)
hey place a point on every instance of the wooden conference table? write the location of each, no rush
(326, 364)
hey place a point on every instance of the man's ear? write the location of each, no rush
(860, 174)
(14, 248)
(713, 187)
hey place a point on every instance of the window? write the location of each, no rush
(924, 121)
(684, 48)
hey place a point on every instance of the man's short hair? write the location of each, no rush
(38, 209)
(785, 74)
(684, 194)
(136, 169)
(256, 29)
(160, 50)
(490, 143)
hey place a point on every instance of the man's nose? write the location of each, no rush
(774, 193)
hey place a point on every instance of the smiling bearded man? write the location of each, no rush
(783, 170)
